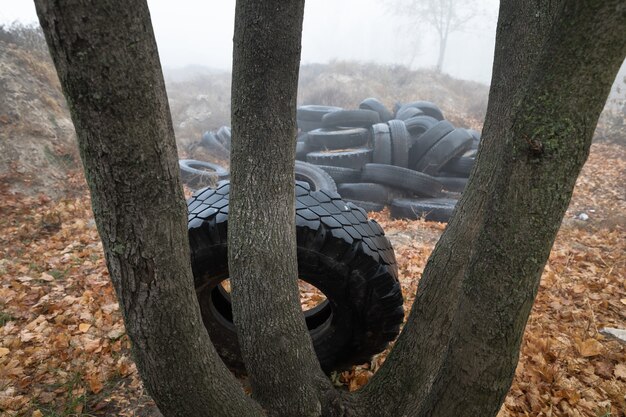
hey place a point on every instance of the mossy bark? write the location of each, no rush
(107, 61)
(554, 64)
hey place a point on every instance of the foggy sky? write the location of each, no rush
(196, 32)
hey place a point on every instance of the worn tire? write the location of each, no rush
(381, 138)
(428, 108)
(403, 178)
(313, 175)
(399, 143)
(453, 184)
(367, 191)
(460, 166)
(434, 209)
(200, 173)
(341, 175)
(408, 113)
(210, 142)
(377, 106)
(338, 139)
(339, 251)
(223, 135)
(314, 112)
(452, 145)
(427, 140)
(350, 118)
(353, 158)
(418, 125)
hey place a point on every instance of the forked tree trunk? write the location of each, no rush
(107, 61)
(554, 65)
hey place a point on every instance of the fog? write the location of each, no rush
(195, 32)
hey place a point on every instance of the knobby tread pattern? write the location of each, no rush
(340, 252)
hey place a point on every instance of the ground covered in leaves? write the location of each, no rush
(64, 352)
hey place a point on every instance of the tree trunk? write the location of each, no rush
(458, 351)
(462, 338)
(106, 58)
(275, 343)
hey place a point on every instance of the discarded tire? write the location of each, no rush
(340, 252)
(350, 118)
(435, 209)
(352, 158)
(338, 139)
(341, 175)
(313, 175)
(377, 106)
(201, 174)
(403, 178)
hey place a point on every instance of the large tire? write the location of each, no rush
(201, 174)
(418, 125)
(353, 158)
(350, 118)
(452, 145)
(403, 178)
(340, 252)
(223, 135)
(316, 177)
(338, 139)
(409, 112)
(375, 105)
(210, 142)
(453, 184)
(399, 143)
(434, 209)
(381, 138)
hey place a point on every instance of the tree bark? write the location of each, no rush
(462, 339)
(285, 375)
(107, 61)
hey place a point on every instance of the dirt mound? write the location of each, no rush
(37, 139)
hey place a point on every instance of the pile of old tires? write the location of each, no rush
(413, 160)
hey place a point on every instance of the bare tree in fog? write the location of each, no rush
(445, 16)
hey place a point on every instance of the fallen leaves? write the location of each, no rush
(62, 337)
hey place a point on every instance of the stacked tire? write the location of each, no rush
(413, 160)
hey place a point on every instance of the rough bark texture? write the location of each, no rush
(107, 61)
(554, 64)
(284, 372)
(462, 338)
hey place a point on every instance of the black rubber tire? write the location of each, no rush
(399, 143)
(428, 108)
(338, 139)
(408, 113)
(452, 145)
(426, 141)
(308, 125)
(460, 166)
(418, 125)
(353, 158)
(350, 118)
(313, 175)
(377, 106)
(453, 184)
(475, 134)
(342, 175)
(434, 209)
(368, 191)
(368, 206)
(302, 150)
(403, 178)
(339, 251)
(200, 173)
(210, 143)
(314, 112)
(223, 135)
(381, 139)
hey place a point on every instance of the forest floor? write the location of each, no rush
(64, 351)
